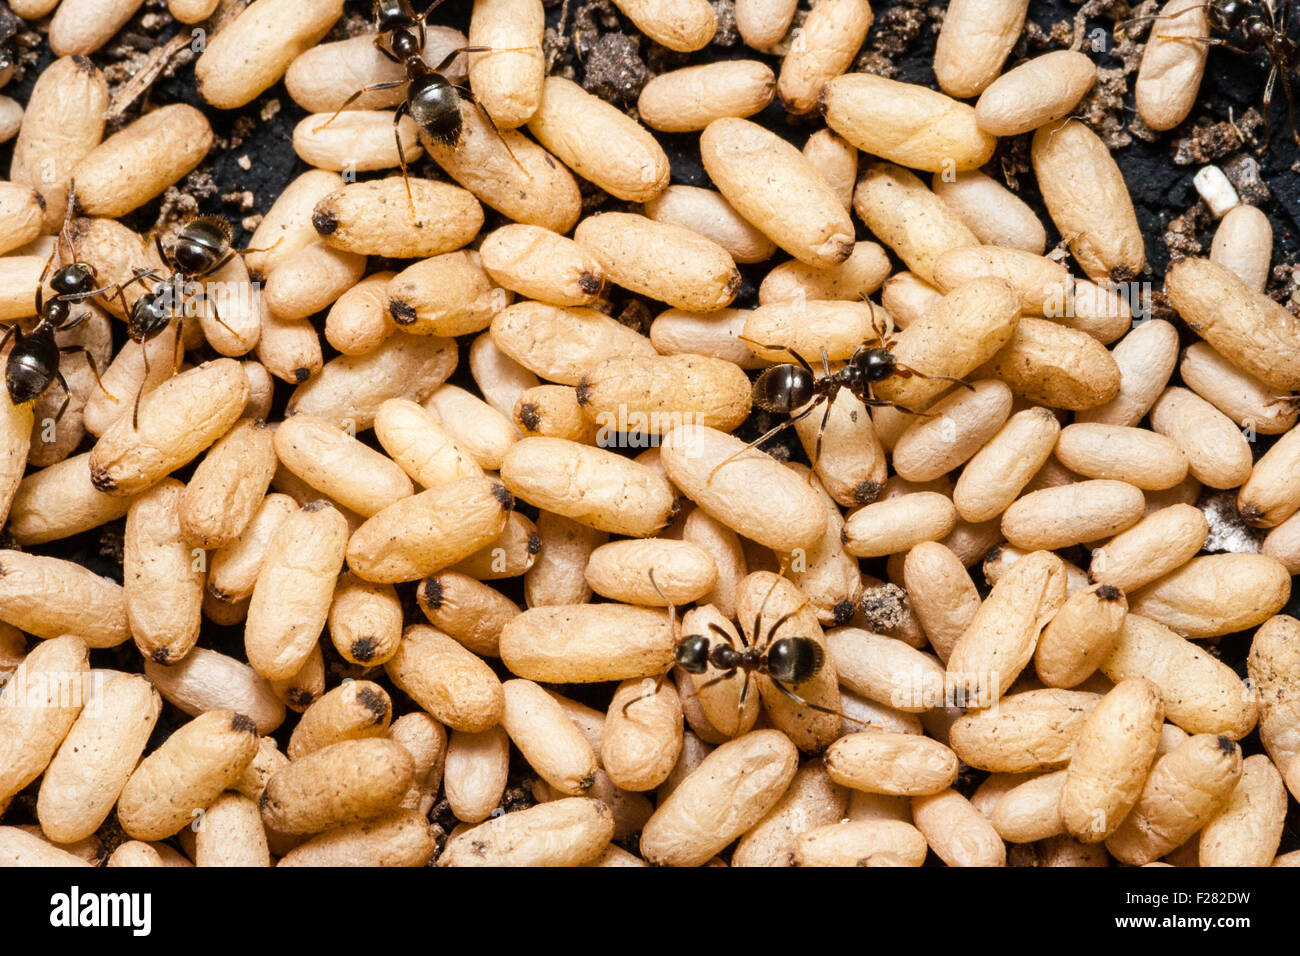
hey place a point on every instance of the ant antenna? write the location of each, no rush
(67, 221)
(1125, 24)
(672, 619)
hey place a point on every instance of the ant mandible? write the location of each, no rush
(782, 389)
(785, 661)
(432, 100)
(33, 363)
(1262, 27)
(200, 247)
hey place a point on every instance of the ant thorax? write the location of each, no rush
(406, 47)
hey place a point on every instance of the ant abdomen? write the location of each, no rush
(434, 104)
(783, 388)
(795, 660)
(201, 244)
(27, 374)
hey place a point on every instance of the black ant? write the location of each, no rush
(782, 389)
(200, 247)
(1261, 27)
(33, 363)
(785, 661)
(432, 100)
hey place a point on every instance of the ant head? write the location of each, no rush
(793, 660)
(875, 364)
(76, 278)
(783, 388)
(393, 15)
(1254, 32)
(150, 313)
(1225, 15)
(692, 654)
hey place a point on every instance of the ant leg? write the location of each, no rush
(45, 274)
(178, 354)
(67, 395)
(781, 348)
(90, 360)
(716, 680)
(11, 331)
(120, 293)
(210, 299)
(721, 632)
(378, 41)
(884, 403)
(1212, 41)
(1290, 107)
(771, 631)
(817, 450)
(825, 710)
(135, 409)
(811, 407)
(401, 157)
(445, 63)
(223, 261)
(469, 95)
(1267, 103)
(72, 323)
(372, 88)
(138, 275)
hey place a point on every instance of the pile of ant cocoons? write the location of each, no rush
(405, 502)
